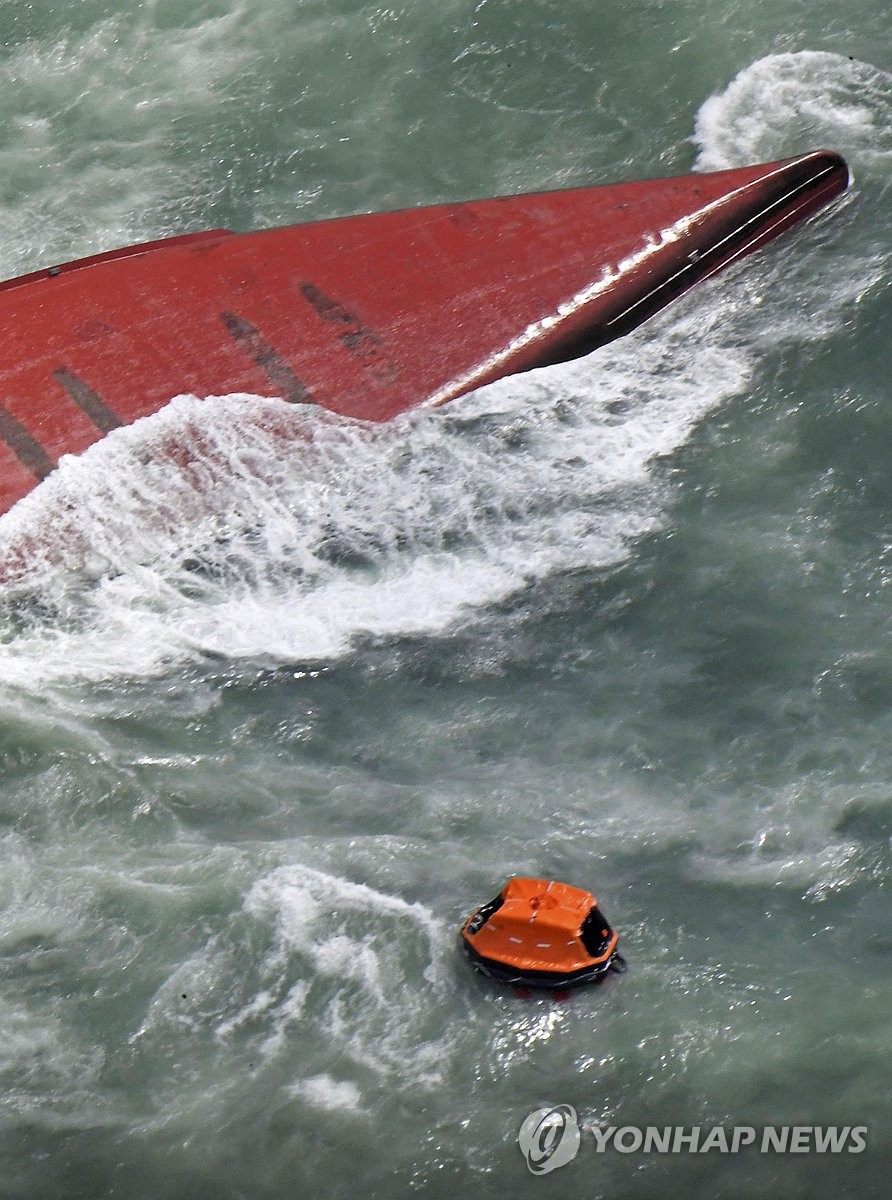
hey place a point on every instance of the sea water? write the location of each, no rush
(273, 726)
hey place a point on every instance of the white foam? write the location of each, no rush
(292, 532)
(379, 960)
(316, 967)
(786, 104)
(324, 1092)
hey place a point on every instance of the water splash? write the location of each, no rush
(315, 967)
(786, 104)
(241, 527)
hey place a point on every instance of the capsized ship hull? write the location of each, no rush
(370, 315)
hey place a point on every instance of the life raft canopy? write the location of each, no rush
(541, 933)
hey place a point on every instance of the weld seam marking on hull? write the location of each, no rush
(88, 401)
(27, 449)
(270, 361)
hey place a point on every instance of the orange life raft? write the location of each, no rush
(541, 933)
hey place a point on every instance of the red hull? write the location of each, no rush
(371, 315)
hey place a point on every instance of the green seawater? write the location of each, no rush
(625, 622)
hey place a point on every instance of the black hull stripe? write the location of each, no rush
(27, 449)
(270, 361)
(88, 401)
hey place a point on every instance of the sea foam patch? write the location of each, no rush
(317, 972)
(242, 528)
(785, 104)
(239, 526)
